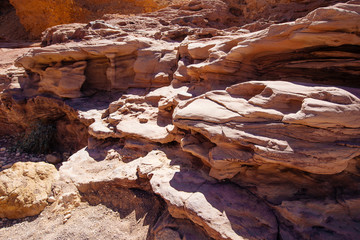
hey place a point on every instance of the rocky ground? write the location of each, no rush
(9, 155)
(84, 222)
(204, 120)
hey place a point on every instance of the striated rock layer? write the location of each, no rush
(111, 56)
(229, 128)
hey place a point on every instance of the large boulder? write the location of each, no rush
(25, 188)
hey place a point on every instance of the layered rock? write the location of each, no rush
(316, 48)
(180, 130)
(112, 59)
(311, 128)
(100, 65)
(223, 210)
(25, 188)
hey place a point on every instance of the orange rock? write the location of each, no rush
(37, 15)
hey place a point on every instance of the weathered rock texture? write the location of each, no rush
(38, 15)
(113, 58)
(252, 123)
(25, 188)
(210, 121)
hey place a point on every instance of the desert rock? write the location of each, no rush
(24, 189)
(204, 120)
(189, 194)
(32, 17)
(272, 122)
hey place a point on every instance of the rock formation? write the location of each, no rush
(209, 119)
(31, 13)
(25, 188)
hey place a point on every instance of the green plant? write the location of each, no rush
(39, 139)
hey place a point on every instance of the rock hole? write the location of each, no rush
(246, 90)
(294, 105)
(235, 11)
(5, 7)
(267, 92)
(96, 77)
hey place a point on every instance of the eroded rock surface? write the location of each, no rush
(311, 128)
(117, 58)
(38, 15)
(25, 188)
(223, 210)
(208, 119)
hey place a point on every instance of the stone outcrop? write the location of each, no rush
(113, 59)
(25, 188)
(223, 210)
(38, 15)
(314, 129)
(204, 119)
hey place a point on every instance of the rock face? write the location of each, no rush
(206, 120)
(31, 13)
(303, 127)
(223, 210)
(25, 188)
(113, 59)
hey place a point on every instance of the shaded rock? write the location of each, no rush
(53, 158)
(19, 116)
(321, 214)
(24, 189)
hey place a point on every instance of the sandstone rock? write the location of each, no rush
(187, 192)
(111, 59)
(118, 66)
(298, 44)
(24, 189)
(179, 133)
(36, 16)
(246, 124)
(7, 166)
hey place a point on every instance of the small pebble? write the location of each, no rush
(2, 149)
(66, 217)
(52, 158)
(51, 199)
(17, 154)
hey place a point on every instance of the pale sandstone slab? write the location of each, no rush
(267, 109)
(222, 209)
